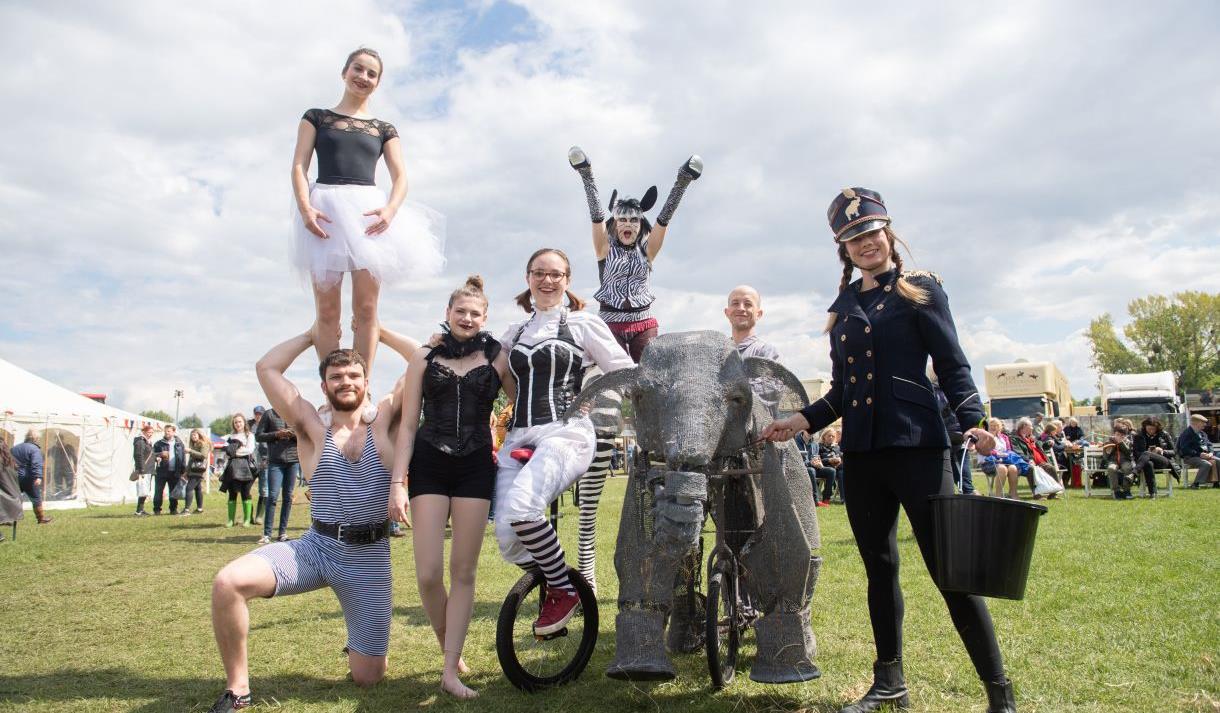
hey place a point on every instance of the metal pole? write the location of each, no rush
(177, 404)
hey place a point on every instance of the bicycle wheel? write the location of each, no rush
(531, 662)
(722, 635)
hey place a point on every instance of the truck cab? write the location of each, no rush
(1150, 394)
(1026, 389)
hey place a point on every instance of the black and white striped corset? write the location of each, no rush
(624, 294)
(549, 376)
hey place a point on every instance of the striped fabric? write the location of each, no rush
(348, 493)
(540, 540)
(624, 277)
(605, 417)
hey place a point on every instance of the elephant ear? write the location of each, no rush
(623, 380)
(649, 199)
(793, 396)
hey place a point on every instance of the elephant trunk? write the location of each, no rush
(646, 571)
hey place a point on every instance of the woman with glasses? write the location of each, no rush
(548, 353)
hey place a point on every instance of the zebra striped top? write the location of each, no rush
(349, 493)
(624, 294)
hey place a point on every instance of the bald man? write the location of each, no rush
(743, 311)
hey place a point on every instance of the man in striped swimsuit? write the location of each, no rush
(348, 466)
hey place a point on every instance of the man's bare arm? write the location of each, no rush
(284, 396)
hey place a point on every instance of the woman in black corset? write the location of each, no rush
(451, 471)
(883, 329)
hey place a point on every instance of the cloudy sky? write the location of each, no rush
(1051, 161)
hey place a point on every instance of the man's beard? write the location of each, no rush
(355, 404)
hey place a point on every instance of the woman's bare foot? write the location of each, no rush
(462, 667)
(454, 687)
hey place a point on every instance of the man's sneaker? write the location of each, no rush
(264, 540)
(823, 503)
(229, 702)
(558, 608)
(141, 513)
(282, 538)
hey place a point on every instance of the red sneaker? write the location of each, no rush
(557, 610)
(823, 503)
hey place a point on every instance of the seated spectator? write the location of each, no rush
(1205, 398)
(827, 461)
(1051, 440)
(1196, 452)
(1119, 460)
(1074, 434)
(1002, 463)
(1023, 443)
(1153, 451)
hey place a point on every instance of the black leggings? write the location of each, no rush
(243, 486)
(875, 484)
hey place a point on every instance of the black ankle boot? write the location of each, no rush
(889, 689)
(999, 697)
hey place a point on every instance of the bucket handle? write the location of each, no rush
(970, 440)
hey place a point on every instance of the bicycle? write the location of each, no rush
(729, 615)
(533, 662)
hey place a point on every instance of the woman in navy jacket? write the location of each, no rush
(883, 328)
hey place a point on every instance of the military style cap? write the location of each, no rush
(856, 211)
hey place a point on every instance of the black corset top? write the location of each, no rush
(457, 408)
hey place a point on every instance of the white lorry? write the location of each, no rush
(1148, 394)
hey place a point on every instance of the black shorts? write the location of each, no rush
(434, 472)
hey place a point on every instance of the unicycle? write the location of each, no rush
(534, 662)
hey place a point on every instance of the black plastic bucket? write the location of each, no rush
(983, 545)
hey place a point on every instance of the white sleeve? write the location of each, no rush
(601, 346)
(247, 448)
(506, 339)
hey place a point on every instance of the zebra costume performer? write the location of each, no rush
(548, 354)
(625, 247)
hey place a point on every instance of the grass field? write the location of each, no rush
(106, 612)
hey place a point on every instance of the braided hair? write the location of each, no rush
(908, 290)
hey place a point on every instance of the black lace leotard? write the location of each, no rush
(348, 148)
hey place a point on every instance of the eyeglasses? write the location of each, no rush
(542, 275)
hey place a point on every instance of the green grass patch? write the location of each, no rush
(106, 612)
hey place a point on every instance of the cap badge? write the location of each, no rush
(853, 209)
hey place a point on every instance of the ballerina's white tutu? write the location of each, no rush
(411, 248)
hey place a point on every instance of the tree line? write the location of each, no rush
(1180, 334)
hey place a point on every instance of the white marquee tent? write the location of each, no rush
(87, 445)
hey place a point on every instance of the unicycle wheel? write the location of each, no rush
(532, 662)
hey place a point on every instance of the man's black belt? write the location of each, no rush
(354, 534)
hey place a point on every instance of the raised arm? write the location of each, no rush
(402, 344)
(580, 162)
(284, 396)
(690, 171)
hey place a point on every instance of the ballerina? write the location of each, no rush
(345, 224)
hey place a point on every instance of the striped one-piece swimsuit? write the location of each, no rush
(351, 494)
